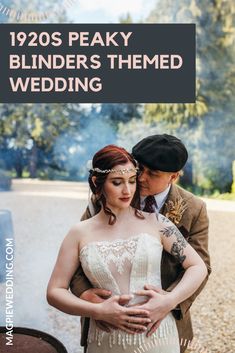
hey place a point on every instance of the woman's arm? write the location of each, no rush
(79, 284)
(59, 296)
(57, 290)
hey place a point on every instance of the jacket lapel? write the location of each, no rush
(174, 208)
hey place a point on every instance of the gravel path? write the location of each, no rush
(43, 212)
(214, 311)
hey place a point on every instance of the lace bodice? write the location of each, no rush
(118, 252)
(123, 265)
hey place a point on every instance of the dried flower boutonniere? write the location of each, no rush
(175, 210)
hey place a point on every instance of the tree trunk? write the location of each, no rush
(33, 160)
(187, 178)
(19, 163)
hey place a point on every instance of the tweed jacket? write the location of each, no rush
(192, 221)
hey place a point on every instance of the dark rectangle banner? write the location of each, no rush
(97, 63)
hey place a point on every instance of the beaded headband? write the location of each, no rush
(106, 171)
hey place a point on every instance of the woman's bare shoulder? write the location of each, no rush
(82, 228)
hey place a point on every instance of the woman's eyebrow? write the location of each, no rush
(120, 177)
(115, 178)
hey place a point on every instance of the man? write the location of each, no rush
(161, 157)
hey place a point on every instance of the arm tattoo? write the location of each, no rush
(177, 251)
(178, 246)
(168, 231)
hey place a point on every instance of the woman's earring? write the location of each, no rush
(98, 195)
(94, 180)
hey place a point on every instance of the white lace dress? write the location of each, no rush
(125, 266)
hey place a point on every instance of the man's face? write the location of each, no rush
(153, 182)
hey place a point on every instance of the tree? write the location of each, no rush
(120, 113)
(209, 123)
(29, 131)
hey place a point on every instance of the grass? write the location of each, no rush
(227, 196)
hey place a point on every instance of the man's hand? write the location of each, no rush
(158, 305)
(95, 295)
(130, 320)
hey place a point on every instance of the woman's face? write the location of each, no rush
(119, 188)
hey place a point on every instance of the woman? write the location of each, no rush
(120, 250)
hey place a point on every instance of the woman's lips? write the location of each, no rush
(125, 199)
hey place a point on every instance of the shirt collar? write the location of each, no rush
(160, 198)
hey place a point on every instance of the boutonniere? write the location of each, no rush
(175, 210)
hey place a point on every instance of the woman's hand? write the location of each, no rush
(126, 319)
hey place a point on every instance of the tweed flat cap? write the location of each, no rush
(161, 152)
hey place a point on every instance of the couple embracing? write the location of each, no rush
(139, 258)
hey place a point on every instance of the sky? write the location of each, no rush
(109, 11)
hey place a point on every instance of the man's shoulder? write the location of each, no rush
(188, 197)
(184, 208)
(186, 203)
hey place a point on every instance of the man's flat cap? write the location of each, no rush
(161, 152)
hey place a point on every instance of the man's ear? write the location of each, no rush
(174, 176)
(94, 180)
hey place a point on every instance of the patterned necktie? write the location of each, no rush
(150, 204)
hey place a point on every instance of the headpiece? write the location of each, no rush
(106, 171)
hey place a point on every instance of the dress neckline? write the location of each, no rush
(122, 240)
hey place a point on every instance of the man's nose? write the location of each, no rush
(142, 176)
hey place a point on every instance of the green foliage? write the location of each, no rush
(131, 132)
(55, 140)
(176, 115)
(120, 113)
(226, 196)
(36, 11)
(126, 19)
(208, 126)
(30, 131)
(33, 123)
(233, 184)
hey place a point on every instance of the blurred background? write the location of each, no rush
(54, 141)
(44, 149)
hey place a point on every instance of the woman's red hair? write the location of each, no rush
(107, 158)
